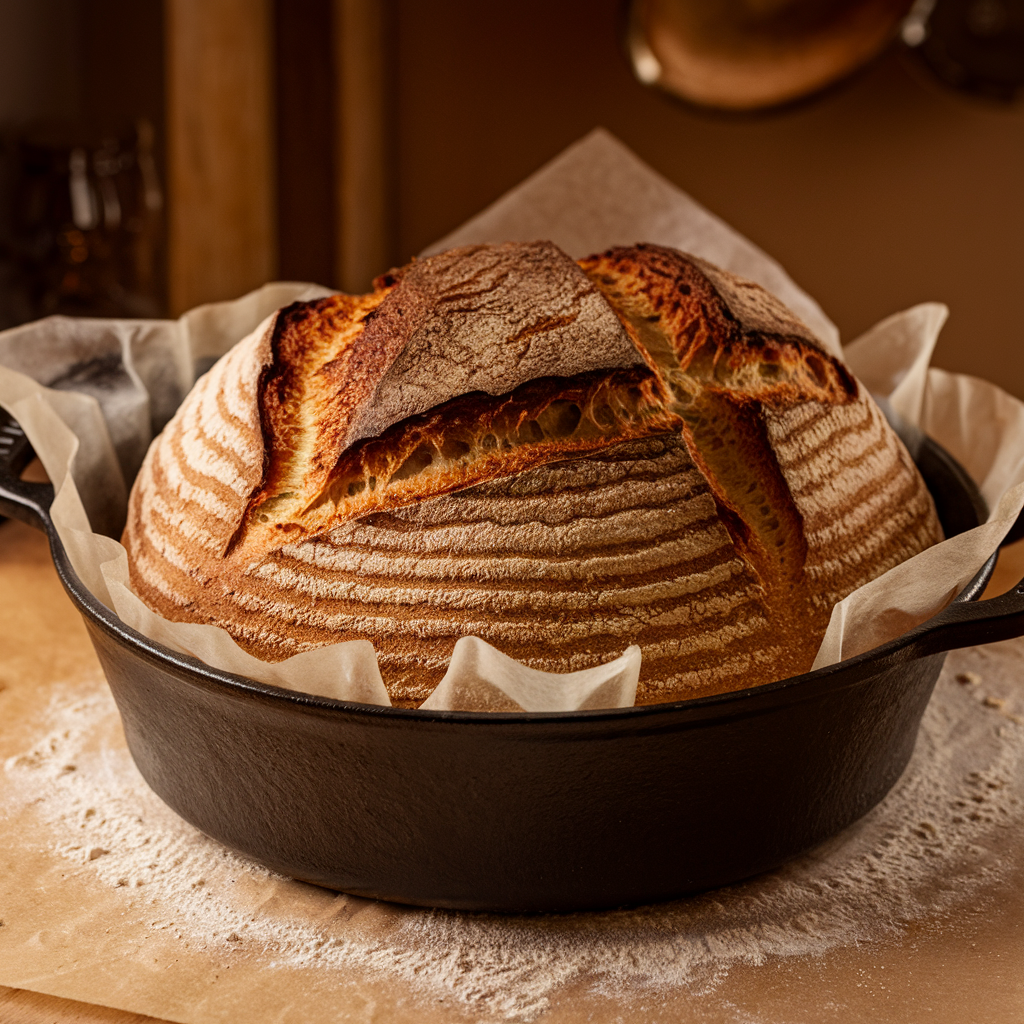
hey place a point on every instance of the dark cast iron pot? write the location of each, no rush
(527, 812)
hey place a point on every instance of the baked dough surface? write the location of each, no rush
(563, 459)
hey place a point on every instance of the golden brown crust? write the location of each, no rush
(701, 337)
(477, 438)
(694, 474)
(703, 326)
(477, 319)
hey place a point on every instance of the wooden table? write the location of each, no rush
(20, 1007)
(27, 574)
(28, 584)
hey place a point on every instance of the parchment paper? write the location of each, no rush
(90, 394)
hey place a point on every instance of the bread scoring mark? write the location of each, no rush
(697, 357)
(306, 402)
(477, 438)
(728, 441)
(488, 318)
(483, 318)
(720, 364)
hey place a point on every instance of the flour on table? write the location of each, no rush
(928, 848)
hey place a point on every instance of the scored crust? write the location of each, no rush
(562, 459)
(481, 319)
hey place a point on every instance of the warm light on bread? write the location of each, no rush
(563, 459)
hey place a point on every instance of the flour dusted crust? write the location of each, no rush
(560, 458)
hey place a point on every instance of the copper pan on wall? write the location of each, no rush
(747, 55)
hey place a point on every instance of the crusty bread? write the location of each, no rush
(560, 458)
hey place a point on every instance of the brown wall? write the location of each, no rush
(886, 192)
(221, 163)
(304, 103)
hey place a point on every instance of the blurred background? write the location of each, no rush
(156, 155)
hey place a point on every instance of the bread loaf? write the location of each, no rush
(560, 458)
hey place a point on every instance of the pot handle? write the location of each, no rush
(962, 624)
(20, 499)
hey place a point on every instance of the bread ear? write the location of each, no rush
(481, 320)
(485, 318)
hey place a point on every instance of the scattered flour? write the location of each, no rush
(929, 847)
